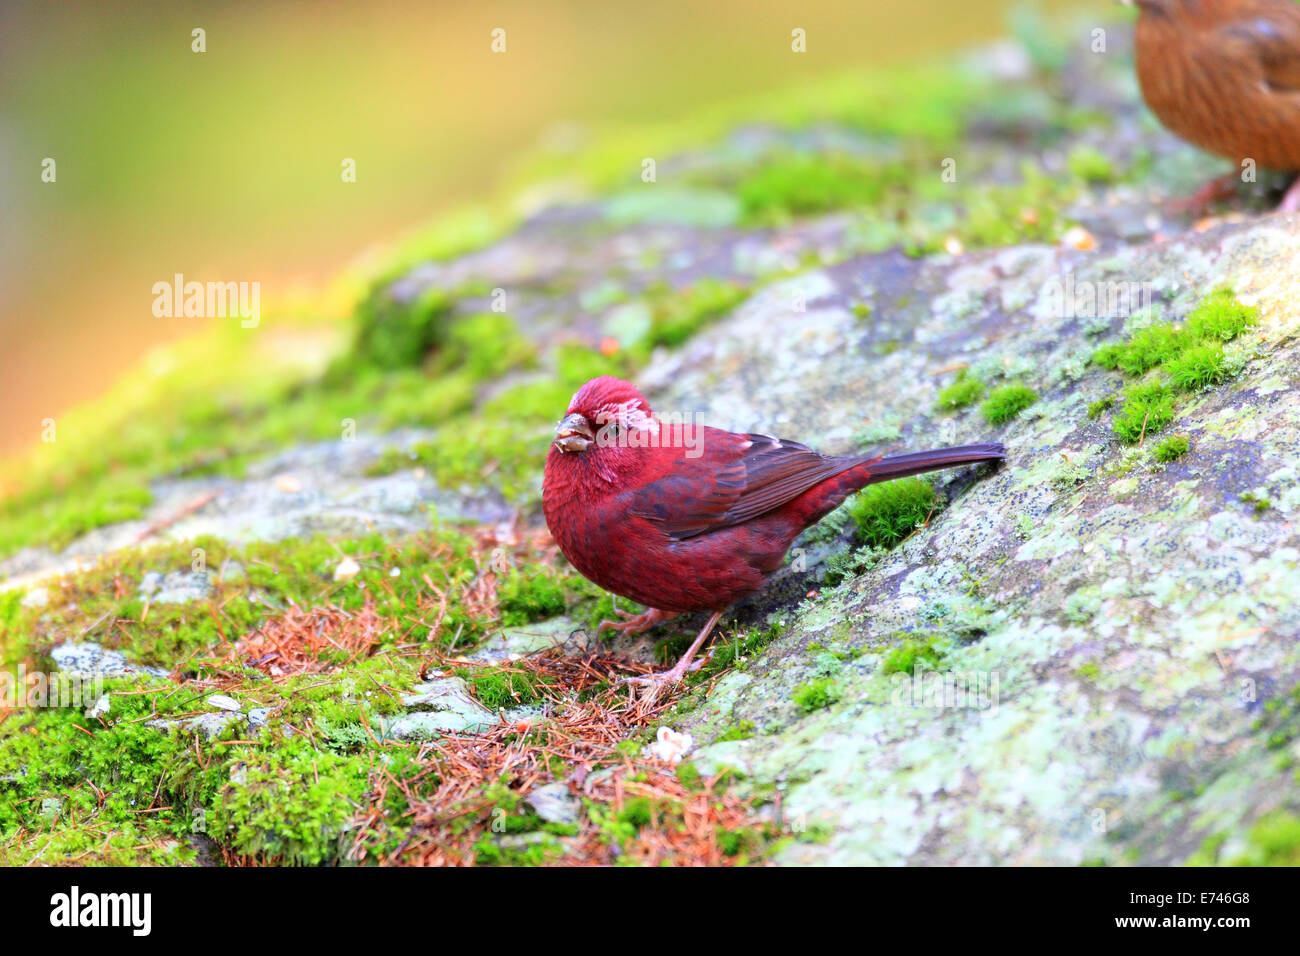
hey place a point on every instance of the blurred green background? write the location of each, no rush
(226, 165)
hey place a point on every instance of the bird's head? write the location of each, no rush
(600, 414)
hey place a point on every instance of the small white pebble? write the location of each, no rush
(395, 573)
(222, 702)
(670, 746)
(1076, 237)
(347, 570)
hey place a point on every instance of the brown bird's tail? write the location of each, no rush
(917, 462)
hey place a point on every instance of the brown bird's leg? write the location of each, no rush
(1225, 187)
(678, 670)
(1291, 201)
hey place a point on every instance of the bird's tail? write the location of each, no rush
(917, 462)
(816, 503)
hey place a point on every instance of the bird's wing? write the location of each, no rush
(749, 475)
(1270, 35)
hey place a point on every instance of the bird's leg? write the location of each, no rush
(678, 670)
(1225, 187)
(1291, 201)
(635, 623)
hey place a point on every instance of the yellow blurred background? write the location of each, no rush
(226, 165)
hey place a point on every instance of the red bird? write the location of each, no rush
(1225, 75)
(685, 518)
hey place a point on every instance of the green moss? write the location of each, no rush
(1207, 854)
(1100, 407)
(1147, 409)
(1190, 358)
(292, 804)
(530, 595)
(903, 659)
(637, 812)
(1069, 474)
(801, 184)
(541, 849)
(45, 753)
(488, 344)
(1006, 402)
(1172, 448)
(276, 575)
(1221, 317)
(280, 799)
(887, 513)
(677, 315)
(1273, 841)
(724, 654)
(1192, 355)
(501, 688)
(1006, 215)
(1147, 349)
(1280, 720)
(1257, 504)
(816, 694)
(1197, 367)
(392, 334)
(1091, 165)
(741, 731)
(745, 843)
(965, 390)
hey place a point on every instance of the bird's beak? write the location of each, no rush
(573, 434)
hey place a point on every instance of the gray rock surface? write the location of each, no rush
(320, 488)
(1133, 621)
(91, 660)
(440, 705)
(554, 803)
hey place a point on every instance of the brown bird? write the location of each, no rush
(681, 517)
(1225, 76)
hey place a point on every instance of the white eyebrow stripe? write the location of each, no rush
(629, 414)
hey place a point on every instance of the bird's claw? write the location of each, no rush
(674, 675)
(1200, 202)
(634, 623)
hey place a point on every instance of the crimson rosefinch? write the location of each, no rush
(681, 518)
(1225, 75)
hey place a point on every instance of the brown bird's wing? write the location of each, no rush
(749, 475)
(1270, 35)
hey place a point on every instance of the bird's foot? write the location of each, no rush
(635, 623)
(1225, 187)
(675, 674)
(647, 690)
